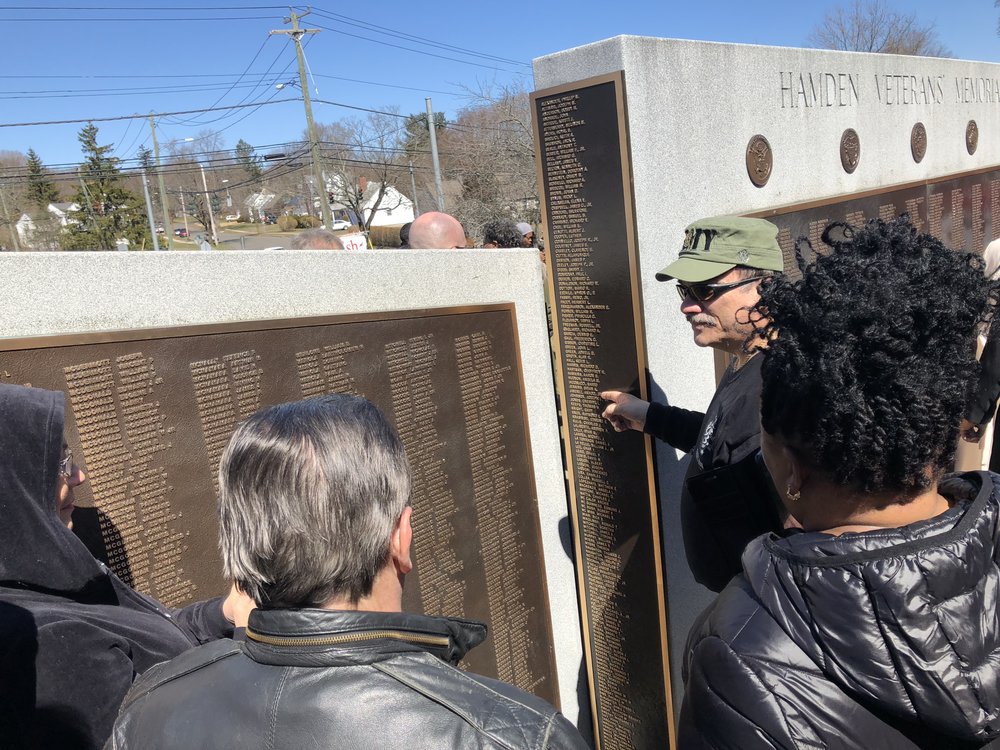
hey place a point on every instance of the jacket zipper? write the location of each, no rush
(332, 640)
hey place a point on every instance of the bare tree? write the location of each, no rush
(362, 159)
(873, 26)
(491, 153)
(12, 197)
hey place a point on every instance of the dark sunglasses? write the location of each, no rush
(703, 292)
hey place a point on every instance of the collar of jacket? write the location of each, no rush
(321, 637)
(905, 619)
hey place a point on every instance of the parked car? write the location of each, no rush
(160, 230)
(338, 224)
(233, 217)
(182, 232)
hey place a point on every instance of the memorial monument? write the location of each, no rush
(161, 355)
(636, 137)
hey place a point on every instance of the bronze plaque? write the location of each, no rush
(962, 210)
(760, 160)
(850, 150)
(584, 176)
(150, 411)
(971, 137)
(918, 142)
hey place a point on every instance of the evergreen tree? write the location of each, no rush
(249, 161)
(418, 137)
(109, 210)
(145, 156)
(40, 191)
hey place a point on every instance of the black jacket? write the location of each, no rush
(727, 498)
(332, 679)
(883, 639)
(72, 635)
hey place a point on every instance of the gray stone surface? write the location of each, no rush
(60, 293)
(692, 109)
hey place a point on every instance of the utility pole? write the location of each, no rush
(90, 202)
(184, 213)
(13, 225)
(413, 184)
(296, 33)
(149, 210)
(432, 129)
(208, 207)
(167, 227)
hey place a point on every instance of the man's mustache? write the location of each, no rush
(700, 318)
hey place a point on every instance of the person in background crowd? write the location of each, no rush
(877, 622)
(74, 636)
(527, 234)
(316, 239)
(727, 498)
(434, 230)
(501, 233)
(404, 234)
(314, 523)
(984, 401)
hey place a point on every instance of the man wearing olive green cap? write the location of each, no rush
(727, 499)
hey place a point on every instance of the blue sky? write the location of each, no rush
(69, 60)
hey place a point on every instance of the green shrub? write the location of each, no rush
(287, 223)
(385, 236)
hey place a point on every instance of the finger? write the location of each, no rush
(609, 413)
(610, 395)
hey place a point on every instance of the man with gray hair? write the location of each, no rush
(314, 524)
(316, 239)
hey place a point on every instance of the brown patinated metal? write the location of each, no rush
(584, 178)
(971, 137)
(850, 150)
(760, 160)
(918, 142)
(150, 411)
(962, 210)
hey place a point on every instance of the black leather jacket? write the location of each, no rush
(333, 679)
(883, 639)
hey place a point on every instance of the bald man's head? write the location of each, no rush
(436, 230)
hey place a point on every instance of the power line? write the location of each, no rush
(357, 22)
(154, 7)
(144, 19)
(133, 117)
(411, 49)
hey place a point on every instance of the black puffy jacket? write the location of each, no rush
(312, 678)
(883, 639)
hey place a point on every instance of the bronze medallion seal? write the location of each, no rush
(850, 150)
(918, 142)
(971, 137)
(759, 160)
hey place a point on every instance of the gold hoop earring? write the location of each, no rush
(793, 497)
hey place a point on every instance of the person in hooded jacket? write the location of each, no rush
(877, 623)
(73, 636)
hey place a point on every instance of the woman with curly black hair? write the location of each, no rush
(876, 623)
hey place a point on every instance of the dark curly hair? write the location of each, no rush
(502, 233)
(870, 357)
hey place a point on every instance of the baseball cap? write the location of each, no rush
(718, 244)
(524, 228)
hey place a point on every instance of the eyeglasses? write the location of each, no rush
(66, 465)
(703, 292)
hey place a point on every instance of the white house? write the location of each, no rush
(61, 212)
(395, 209)
(25, 227)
